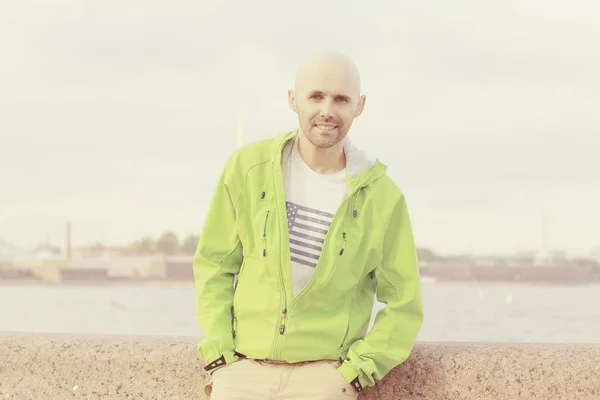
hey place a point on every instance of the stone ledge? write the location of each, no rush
(52, 366)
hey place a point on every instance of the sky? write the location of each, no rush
(118, 116)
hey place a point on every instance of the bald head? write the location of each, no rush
(326, 98)
(328, 65)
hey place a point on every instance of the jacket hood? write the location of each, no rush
(361, 171)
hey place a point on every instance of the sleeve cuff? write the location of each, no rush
(225, 359)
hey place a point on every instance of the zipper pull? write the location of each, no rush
(282, 327)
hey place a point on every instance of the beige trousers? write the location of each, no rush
(259, 380)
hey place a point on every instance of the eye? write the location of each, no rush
(316, 97)
(341, 99)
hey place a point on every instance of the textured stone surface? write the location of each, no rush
(37, 366)
(476, 371)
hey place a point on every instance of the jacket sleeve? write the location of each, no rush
(217, 260)
(396, 326)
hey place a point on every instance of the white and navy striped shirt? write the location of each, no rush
(312, 200)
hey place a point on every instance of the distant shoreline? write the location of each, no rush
(167, 283)
(32, 282)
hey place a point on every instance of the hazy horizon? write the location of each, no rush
(119, 119)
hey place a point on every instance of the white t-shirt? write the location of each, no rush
(312, 200)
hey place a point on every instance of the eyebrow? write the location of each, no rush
(313, 92)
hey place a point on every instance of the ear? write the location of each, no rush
(292, 100)
(361, 105)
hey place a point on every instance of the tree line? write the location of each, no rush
(167, 243)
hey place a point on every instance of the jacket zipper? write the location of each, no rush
(284, 311)
(264, 236)
(283, 305)
(277, 348)
(336, 217)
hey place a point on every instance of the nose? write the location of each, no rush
(326, 109)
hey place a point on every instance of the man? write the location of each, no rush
(313, 230)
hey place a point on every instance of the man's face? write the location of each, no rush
(327, 99)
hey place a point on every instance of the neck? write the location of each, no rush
(322, 161)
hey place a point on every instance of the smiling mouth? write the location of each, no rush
(326, 127)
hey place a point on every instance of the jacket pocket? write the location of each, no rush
(355, 323)
(236, 283)
(345, 387)
(233, 323)
(343, 345)
(264, 234)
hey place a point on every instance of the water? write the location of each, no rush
(454, 311)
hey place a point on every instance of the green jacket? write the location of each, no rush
(243, 280)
